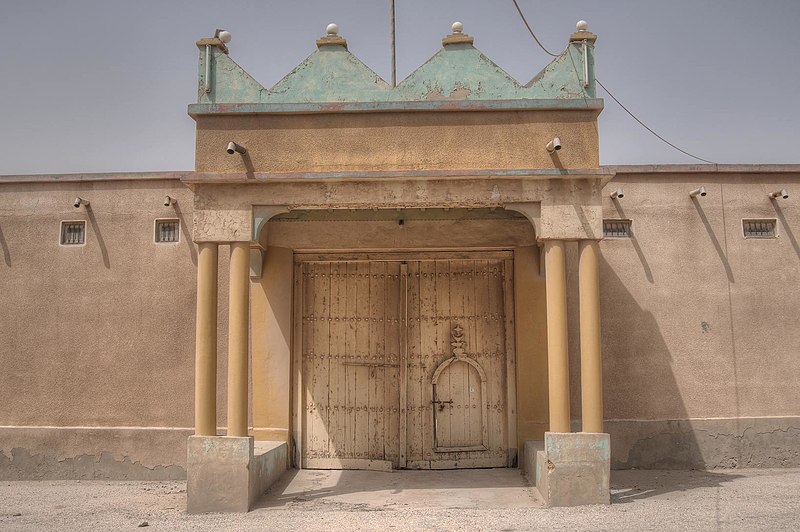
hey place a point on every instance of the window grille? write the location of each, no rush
(167, 231)
(73, 233)
(617, 228)
(759, 228)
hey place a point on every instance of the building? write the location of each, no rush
(422, 276)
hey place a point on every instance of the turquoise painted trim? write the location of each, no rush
(563, 77)
(331, 74)
(459, 72)
(229, 82)
(199, 109)
(456, 73)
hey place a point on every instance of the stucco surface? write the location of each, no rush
(391, 236)
(397, 141)
(132, 453)
(97, 341)
(705, 443)
(697, 320)
(270, 338)
(569, 210)
(531, 337)
(99, 334)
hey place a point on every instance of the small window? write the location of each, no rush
(617, 228)
(167, 231)
(765, 228)
(73, 233)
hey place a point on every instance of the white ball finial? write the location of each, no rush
(225, 36)
(332, 29)
(458, 27)
(581, 25)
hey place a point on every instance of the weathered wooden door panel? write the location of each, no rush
(464, 298)
(376, 337)
(351, 364)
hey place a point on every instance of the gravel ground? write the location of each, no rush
(756, 499)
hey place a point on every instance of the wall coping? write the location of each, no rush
(191, 176)
(95, 176)
(580, 104)
(703, 168)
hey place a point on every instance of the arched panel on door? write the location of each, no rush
(460, 413)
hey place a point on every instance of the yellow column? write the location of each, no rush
(591, 361)
(557, 348)
(205, 380)
(238, 325)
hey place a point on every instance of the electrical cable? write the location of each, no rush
(535, 38)
(662, 139)
(647, 128)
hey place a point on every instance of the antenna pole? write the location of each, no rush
(394, 55)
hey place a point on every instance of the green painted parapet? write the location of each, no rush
(457, 72)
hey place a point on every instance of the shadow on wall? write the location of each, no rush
(639, 386)
(4, 245)
(713, 237)
(639, 253)
(186, 229)
(787, 230)
(100, 242)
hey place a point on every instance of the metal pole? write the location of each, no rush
(394, 55)
(207, 80)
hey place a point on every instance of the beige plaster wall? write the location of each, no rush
(270, 346)
(565, 208)
(389, 235)
(346, 142)
(531, 335)
(99, 335)
(698, 322)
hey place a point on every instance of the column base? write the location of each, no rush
(228, 474)
(573, 468)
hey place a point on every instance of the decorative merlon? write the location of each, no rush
(332, 37)
(458, 72)
(582, 33)
(212, 41)
(458, 36)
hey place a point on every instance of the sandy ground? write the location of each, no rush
(767, 499)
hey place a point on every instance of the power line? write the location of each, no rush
(535, 38)
(647, 128)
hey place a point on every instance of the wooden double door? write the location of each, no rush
(406, 363)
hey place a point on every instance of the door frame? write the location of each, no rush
(298, 412)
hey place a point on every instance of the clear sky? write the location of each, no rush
(103, 85)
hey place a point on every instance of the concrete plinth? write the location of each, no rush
(228, 474)
(574, 469)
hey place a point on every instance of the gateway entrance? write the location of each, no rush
(406, 363)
